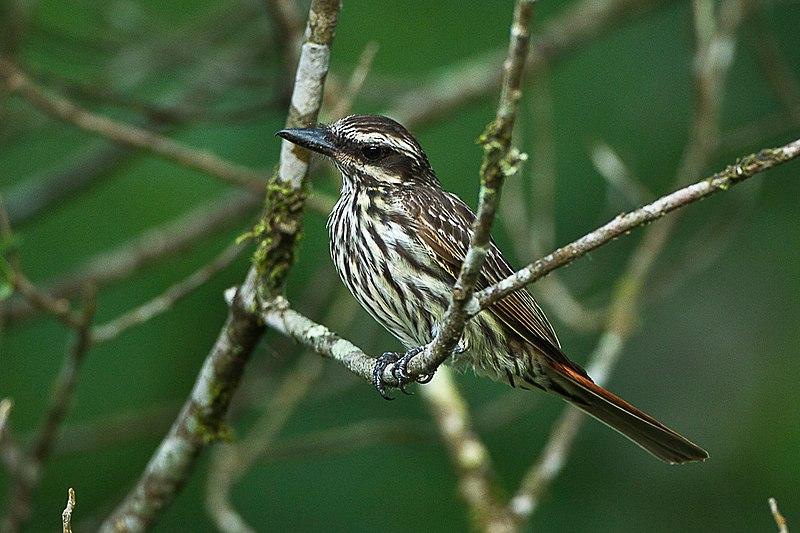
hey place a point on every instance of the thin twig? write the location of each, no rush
(356, 81)
(617, 174)
(201, 160)
(745, 168)
(145, 249)
(26, 479)
(166, 300)
(66, 516)
(780, 521)
(44, 301)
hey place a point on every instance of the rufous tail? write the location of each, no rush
(618, 414)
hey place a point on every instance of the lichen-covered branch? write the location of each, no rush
(279, 316)
(200, 422)
(279, 230)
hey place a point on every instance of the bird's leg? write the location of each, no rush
(400, 361)
(400, 369)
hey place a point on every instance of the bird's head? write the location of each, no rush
(369, 150)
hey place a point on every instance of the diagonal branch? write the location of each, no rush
(125, 134)
(734, 174)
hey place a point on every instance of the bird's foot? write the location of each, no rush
(399, 371)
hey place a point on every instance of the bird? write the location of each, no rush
(398, 239)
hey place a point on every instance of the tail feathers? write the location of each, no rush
(621, 416)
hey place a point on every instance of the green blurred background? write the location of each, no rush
(714, 355)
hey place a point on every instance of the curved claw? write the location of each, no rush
(381, 364)
(401, 367)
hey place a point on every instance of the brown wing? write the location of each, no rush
(443, 226)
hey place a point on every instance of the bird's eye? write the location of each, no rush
(372, 152)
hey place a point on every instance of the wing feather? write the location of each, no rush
(443, 226)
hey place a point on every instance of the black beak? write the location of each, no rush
(315, 139)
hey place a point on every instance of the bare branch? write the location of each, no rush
(165, 301)
(151, 246)
(734, 174)
(356, 81)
